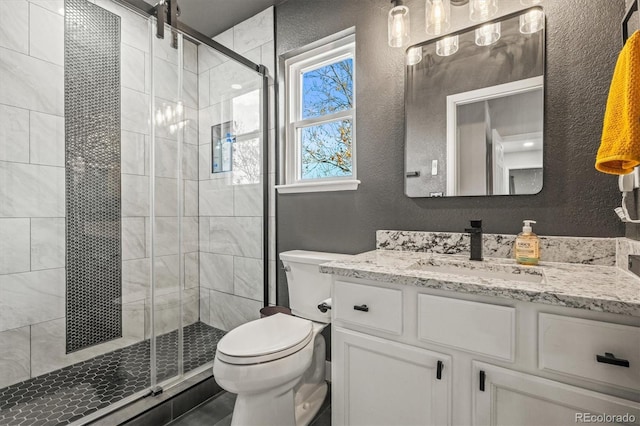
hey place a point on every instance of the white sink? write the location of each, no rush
(482, 269)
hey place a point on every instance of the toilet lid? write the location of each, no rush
(265, 339)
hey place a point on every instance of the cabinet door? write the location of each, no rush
(511, 398)
(380, 382)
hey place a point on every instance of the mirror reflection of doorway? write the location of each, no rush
(492, 131)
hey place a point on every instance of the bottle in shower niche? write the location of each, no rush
(217, 157)
(227, 153)
(527, 249)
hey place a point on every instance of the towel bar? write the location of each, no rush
(625, 21)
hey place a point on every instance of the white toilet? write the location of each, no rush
(276, 364)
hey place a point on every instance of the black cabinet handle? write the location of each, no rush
(439, 370)
(609, 358)
(362, 308)
(483, 376)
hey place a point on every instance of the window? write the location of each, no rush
(320, 136)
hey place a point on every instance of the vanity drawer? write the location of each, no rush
(479, 328)
(571, 346)
(368, 306)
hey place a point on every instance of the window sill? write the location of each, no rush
(341, 185)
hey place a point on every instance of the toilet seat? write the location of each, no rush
(265, 340)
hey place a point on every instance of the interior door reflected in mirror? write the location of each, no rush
(475, 112)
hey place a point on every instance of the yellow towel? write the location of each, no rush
(619, 149)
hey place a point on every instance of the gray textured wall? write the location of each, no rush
(583, 40)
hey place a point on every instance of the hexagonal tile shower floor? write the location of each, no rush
(68, 394)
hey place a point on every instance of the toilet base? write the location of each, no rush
(278, 409)
(306, 411)
(273, 408)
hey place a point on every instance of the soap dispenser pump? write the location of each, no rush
(527, 248)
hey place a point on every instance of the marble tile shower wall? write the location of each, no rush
(231, 266)
(32, 188)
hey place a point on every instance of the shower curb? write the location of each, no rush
(167, 406)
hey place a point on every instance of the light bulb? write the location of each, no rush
(414, 55)
(532, 21)
(488, 34)
(437, 16)
(528, 144)
(398, 26)
(481, 10)
(447, 46)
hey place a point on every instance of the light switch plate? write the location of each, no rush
(434, 167)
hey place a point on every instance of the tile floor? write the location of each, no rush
(217, 412)
(63, 396)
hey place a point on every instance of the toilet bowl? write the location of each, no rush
(272, 379)
(276, 365)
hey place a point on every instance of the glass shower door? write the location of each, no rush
(232, 190)
(168, 223)
(208, 217)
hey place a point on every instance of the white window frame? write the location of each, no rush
(295, 67)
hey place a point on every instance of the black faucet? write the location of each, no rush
(475, 232)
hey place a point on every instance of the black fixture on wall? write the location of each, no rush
(627, 17)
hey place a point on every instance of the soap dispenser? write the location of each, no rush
(527, 249)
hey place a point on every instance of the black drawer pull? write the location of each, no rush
(362, 308)
(609, 358)
(483, 377)
(439, 370)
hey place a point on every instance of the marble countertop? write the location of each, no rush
(592, 287)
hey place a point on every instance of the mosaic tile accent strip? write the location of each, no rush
(92, 131)
(66, 395)
(584, 250)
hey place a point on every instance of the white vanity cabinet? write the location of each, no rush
(386, 383)
(409, 355)
(381, 381)
(507, 397)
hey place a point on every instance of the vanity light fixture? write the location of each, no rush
(488, 34)
(414, 55)
(437, 16)
(482, 10)
(447, 46)
(532, 21)
(398, 24)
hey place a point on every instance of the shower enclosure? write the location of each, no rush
(133, 207)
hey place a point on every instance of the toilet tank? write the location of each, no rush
(307, 286)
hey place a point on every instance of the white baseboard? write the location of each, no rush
(327, 371)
